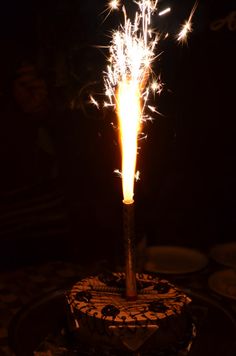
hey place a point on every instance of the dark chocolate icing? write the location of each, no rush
(162, 288)
(112, 280)
(110, 310)
(157, 306)
(83, 296)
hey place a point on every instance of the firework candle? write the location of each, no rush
(129, 115)
(127, 89)
(126, 82)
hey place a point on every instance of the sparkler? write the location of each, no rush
(128, 85)
(126, 81)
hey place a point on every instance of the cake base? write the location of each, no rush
(158, 321)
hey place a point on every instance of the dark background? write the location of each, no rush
(186, 195)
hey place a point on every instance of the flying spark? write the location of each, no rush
(111, 6)
(163, 12)
(93, 101)
(186, 28)
(156, 86)
(114, 5)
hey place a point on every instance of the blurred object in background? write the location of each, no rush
(224, 254)
(224, 283)
(33, 218)
(174, 260)
(30, 91)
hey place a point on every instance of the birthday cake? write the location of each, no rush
(157, 321)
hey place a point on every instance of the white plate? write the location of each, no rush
(174, 260)
(224, 283)
(225, 254)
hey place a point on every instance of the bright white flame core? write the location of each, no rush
(129, 113)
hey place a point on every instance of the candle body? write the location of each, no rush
(129, 242)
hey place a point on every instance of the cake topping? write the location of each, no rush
(83, 296)
(162, 288)
(110, 310)
(118, 281)
(112, 280)
(157, 307)
(103, 294)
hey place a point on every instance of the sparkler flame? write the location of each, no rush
(126, 81)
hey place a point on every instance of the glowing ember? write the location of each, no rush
(126, 80)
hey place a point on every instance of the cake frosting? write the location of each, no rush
(157, 320)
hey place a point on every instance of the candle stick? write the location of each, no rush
(129, 242)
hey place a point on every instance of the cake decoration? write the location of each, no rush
(157, 319)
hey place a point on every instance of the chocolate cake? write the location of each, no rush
(158, 321)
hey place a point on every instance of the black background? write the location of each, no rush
(186, 194)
